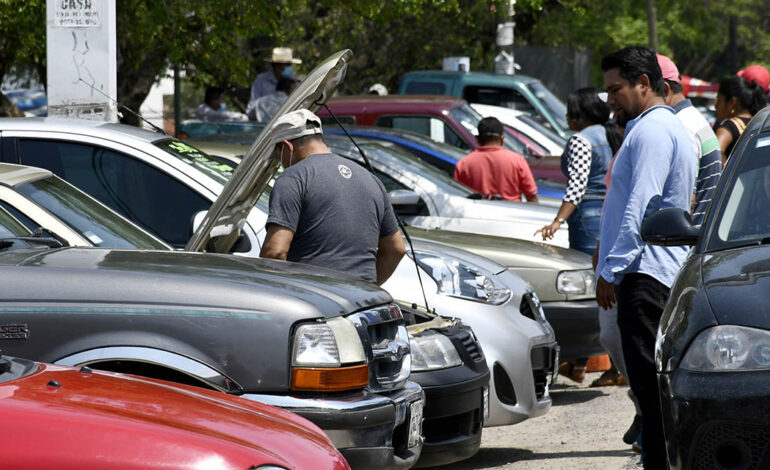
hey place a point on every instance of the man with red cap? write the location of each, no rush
(703, 137)
(756, 74)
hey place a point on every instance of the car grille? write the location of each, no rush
(471, 346)
(542, 359)
(728, 445)
(386, 344)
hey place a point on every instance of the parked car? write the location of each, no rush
(32, 102)
(713, 348)
(67, 418)
(552, 143)
(183, 181)
(511, 91)
(157, 311)
(442, 118)
(428, 198)
(445, 354)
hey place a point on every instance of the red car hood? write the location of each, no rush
(104, 420)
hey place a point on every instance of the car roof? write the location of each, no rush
(425, 100)
(103, 129)
(760, 122)
(476, 77)
(12, 175)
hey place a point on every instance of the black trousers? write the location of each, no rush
(641, 299)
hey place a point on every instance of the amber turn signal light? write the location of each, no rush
(337, 379)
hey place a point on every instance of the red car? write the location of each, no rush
(64, 418)
(442, 118)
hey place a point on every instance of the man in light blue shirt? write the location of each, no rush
(654, 169)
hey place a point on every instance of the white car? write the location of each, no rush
(161, 183)
(520, 121)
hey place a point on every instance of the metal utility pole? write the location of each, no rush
(652, 24)
(504, 62)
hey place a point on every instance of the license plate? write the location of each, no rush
(415, 423)
(485, 394)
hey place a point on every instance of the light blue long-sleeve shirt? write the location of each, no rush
(654, 169)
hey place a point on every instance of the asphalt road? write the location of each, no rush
(583, 430)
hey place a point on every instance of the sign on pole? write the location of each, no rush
(81, 48)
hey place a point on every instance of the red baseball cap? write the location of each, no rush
(756, 74)
(668, 68)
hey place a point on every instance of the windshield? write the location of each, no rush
(391, 160)
(469, 118)
(90, 219)
(743, 211)
(10, 227)
(555, 107)
(533, 123)
(211, 167)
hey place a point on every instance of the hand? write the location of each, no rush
(549, 230)
(605, 293)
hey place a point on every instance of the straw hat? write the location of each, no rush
(283, 55)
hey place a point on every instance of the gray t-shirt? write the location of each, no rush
(337, 210)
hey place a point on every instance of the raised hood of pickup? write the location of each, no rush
(737, 283)
(181, 279)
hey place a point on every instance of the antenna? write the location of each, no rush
(155, 128)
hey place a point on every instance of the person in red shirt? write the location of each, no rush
(494, 171)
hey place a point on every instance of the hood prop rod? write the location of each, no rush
(401, 223)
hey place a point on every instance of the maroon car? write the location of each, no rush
(442, 118)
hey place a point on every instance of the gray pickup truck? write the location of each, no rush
(332, 349)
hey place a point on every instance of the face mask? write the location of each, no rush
(287, 72)
(223, 106)
(291, 155)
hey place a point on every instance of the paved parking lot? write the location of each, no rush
(583, 430)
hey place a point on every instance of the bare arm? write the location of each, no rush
(390, 250)
(725, 138)
(277, 242)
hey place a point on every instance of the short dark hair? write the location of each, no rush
(490, 128)
(584, 105)
(634, 61)
(676, 87)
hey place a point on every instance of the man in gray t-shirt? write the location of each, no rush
(326, 210)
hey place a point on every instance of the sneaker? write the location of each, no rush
(632, 435)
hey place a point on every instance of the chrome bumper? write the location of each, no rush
(369, 429)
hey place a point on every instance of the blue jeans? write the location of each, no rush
(584, 226)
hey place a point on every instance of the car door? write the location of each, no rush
(130, 185)
(428, 126)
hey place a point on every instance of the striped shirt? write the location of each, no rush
(709, 157)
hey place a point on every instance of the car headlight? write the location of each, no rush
(727, 348)
(576, 282)
(458, 279)
(431, 350)
(328, 357)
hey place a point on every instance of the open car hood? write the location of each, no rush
(222, 225)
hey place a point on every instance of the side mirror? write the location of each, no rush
(197, 220)
(242, 244)
(669, 227)
(406, 202)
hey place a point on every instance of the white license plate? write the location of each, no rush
(415, 423)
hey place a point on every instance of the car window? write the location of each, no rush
(212, 167)
(497, 96)
(743, 218)
(138, 191)
(345, 120)
(554, 105)
(428, 126)
(389, 183)
(10, 225)
(425, 88)
(94, 222)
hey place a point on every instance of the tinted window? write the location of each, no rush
(10, 226)
(143, 194)
(425, 88)
(743, 217)
(428, 126)
(554, 105)
(345, 120)
(497, 96)
(389, 183)
(94, 222)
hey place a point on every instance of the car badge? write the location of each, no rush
(14, 331)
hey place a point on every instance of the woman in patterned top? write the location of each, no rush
(584, 162)
(737, 101)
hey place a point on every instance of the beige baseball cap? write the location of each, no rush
(294, 125)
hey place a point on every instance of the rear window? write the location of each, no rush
(425, 88)
(497, 96)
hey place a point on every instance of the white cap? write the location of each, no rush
(379, 89)
(294, 125)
